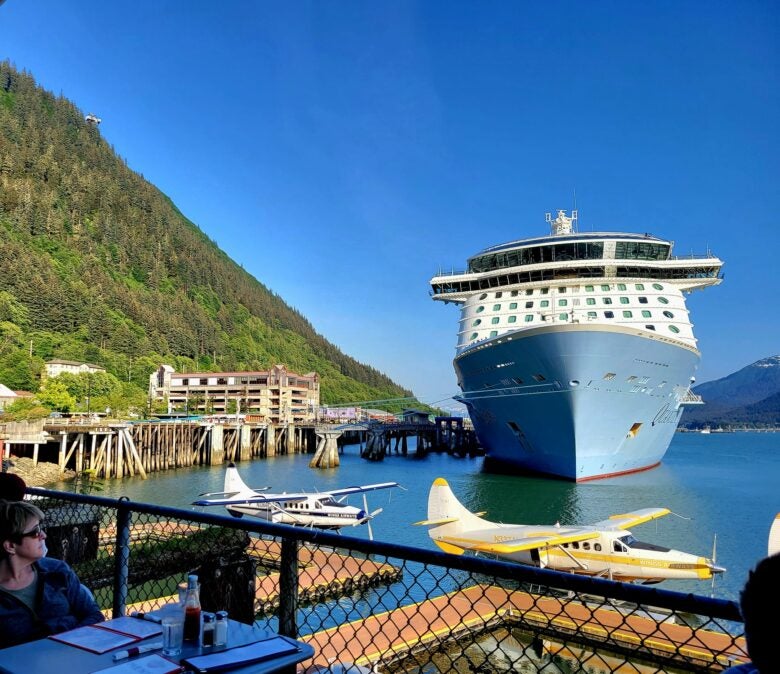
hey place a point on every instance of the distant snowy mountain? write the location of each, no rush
(749, 396)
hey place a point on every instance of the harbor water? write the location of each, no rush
(722, 484)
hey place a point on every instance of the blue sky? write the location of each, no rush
(343, 152)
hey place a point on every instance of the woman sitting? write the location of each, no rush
(38, 596)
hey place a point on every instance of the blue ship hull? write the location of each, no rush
(576, 401)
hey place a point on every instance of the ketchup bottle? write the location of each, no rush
(192, 610)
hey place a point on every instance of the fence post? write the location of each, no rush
(121, 556)
(288, 588)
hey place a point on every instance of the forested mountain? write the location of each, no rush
(97, 265)
(748, 397)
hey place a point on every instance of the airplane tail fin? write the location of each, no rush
(774, 536)
(233, 481)
(447, 517)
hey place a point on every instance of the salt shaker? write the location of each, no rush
(221, 629)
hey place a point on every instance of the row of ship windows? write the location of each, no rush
(591, 314)
(562, 290)
(591, 301)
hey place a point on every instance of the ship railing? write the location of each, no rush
(690, 398)
(383, 606)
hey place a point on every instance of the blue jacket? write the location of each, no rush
(61, 603)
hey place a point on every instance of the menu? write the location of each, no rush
(151, 664)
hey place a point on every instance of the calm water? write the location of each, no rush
(726, 484)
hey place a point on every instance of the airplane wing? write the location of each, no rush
(626, 520)
(359, 490)
(251, 500)
(540, 539)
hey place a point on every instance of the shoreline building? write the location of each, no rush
(273, 396)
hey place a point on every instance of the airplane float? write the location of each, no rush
(322, 510)
(605, 548)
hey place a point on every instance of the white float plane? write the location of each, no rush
(323, 510)
(774, 536)
(603, 549)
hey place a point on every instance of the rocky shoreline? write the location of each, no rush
(36, 476)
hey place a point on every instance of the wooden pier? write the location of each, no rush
(386, 638)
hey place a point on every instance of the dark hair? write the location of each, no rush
(12, 487)
(758, 602)
(13, 519)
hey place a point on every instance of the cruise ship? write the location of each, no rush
(575, 352)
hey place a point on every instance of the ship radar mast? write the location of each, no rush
(562, 224)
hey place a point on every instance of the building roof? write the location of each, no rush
(59, 361)
(6, 392)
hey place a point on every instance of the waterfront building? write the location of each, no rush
(273, 396)
(7, 396)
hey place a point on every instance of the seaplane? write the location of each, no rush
(605, 549)
(322, 510)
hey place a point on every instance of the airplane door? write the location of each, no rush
(539, 558)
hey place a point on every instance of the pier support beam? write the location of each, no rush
(327, 454)
(217, 445)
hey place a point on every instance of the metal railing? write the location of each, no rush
(389, 608)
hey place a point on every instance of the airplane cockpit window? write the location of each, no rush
(332, 503)
(617, 546)
(628, 541)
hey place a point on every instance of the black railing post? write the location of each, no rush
(288, 588)
(121, 556)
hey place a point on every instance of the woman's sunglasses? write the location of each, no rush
(36, 532)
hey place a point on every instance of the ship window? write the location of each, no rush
(562, 290)
(517, 381)
(591, 314)
(674, 329)
(621, 286)
(493, 333)
(590, 301)
(544, 303)
(539, 377)
(640, 286)
(513, 293)
(658, 286)
(499, 295)
(633, 377)
(609, 314)
(628, 314)
(607, 300)
(668, 314)
(609, 376)
(480, 309)
(476, 323)
(563, 317)
(624, 300)
(496, 307)
(483, 296)
(529, 305)
(663, 300)
(513, 319)
(646, 313)
(588, 289)
(531, 292)
(529, 318)
(642, 300)
(562, 303)
(650, 327)
(605, 287)
(474, 335)
(494, 321)
(544, 291)
(513, 305)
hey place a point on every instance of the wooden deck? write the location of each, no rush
(389, 636)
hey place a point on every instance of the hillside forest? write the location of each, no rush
(99, 266)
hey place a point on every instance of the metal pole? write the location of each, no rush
(288, 588)
(121, 556)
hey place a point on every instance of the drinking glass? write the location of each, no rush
(172, 633)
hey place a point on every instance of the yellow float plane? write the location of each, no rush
(605, 548)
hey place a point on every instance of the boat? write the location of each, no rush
(576, 354)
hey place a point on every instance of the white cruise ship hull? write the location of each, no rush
(576, 401)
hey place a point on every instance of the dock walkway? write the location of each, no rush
(395, 634)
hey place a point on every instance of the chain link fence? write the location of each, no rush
(383, 607)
